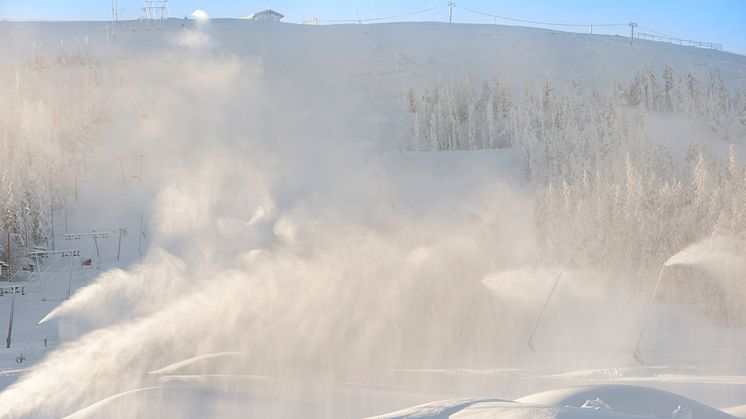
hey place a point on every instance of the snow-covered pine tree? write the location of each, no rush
(668, 88)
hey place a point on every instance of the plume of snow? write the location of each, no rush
(722, 255)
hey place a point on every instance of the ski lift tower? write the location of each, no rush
(12, 290)
(43, 254)
(100, 234)
(154, 12)
(131, 167)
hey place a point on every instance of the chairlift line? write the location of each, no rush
(138, 159)
(46, 253)
(100, 234)
(381, 18)
(585, 25)
(657, 33)
(95, 234)
(43, 254)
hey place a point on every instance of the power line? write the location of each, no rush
(452, 5)
(585, 25)
(661, 37)
(657, 33)
(381, 18)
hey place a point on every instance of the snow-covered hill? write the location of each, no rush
(288, 254)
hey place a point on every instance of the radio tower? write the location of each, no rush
(155, 11)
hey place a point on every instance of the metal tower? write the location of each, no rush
(155, 12)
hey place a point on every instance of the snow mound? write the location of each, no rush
(737, 411)
(601, 401)
(439, 409)
(628, 399)
(596, 404)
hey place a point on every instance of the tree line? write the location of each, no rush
(608, 197)
(50, 112)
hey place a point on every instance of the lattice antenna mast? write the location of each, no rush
(155, 10)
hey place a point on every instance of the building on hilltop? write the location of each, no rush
(4, 271)
(268, 15)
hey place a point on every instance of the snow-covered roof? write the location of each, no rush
(265, 14)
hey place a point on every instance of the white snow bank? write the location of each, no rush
(439, 409)
(737, 411)
(627, 399)
(602, 401)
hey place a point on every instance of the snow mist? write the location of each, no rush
(291, 250)
(280, 231)
(721, 255)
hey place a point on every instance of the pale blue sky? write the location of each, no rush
(721, 21)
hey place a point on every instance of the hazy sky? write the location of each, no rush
(721, 21)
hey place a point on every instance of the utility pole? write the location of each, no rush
(632, 26)
(450, 11)
(114, 18)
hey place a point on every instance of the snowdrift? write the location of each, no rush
(600, 401)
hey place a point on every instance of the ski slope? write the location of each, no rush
(287, 255)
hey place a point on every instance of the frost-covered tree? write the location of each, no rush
(668, 84)
(608, 196)
(51, 111)
(464, 118)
